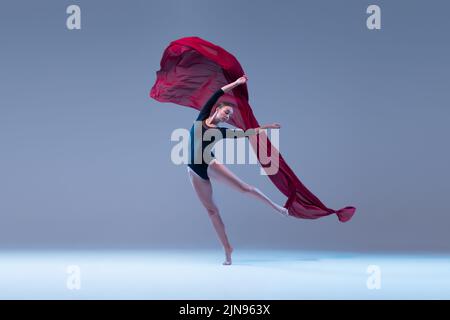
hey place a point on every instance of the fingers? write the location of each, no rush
(276, 126)
(241, 80)
(272, 126)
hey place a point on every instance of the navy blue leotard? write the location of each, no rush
(201, 168)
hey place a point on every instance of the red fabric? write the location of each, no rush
(192, 69)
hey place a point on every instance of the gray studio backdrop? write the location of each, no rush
(85, 153)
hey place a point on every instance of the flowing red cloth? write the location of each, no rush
(192, 69)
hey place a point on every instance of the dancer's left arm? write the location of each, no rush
(238, 133)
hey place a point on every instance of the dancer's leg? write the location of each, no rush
(203, 189)
(220, 172)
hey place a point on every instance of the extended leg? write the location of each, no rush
(220, 172)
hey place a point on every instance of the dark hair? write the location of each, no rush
(226, 103)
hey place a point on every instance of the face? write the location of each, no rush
(225, 113)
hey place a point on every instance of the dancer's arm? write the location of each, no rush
(238, 133)
(267, 126)
(234, 84)
(206, 109)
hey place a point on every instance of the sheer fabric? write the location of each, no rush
(191, 70)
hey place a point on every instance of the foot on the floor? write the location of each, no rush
(228, 252)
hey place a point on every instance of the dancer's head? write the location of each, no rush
(224, 111)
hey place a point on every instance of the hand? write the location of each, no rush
(273, 126)
(242, 80)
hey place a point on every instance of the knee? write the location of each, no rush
(212, 211)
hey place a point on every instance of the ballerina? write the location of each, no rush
(200, 173)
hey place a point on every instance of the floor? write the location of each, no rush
(255, 274)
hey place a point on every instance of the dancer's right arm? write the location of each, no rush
(206, 109)
(234, 84)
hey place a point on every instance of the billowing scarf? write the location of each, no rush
(192, 69)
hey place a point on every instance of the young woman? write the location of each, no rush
(201, 169)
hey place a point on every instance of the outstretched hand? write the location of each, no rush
(242, 79)
(273, 126)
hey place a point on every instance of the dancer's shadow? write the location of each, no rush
(282, 260)
(279, 260)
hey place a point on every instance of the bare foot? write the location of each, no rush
(228, 252)
(283, 211)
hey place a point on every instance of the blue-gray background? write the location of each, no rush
(85, 153)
